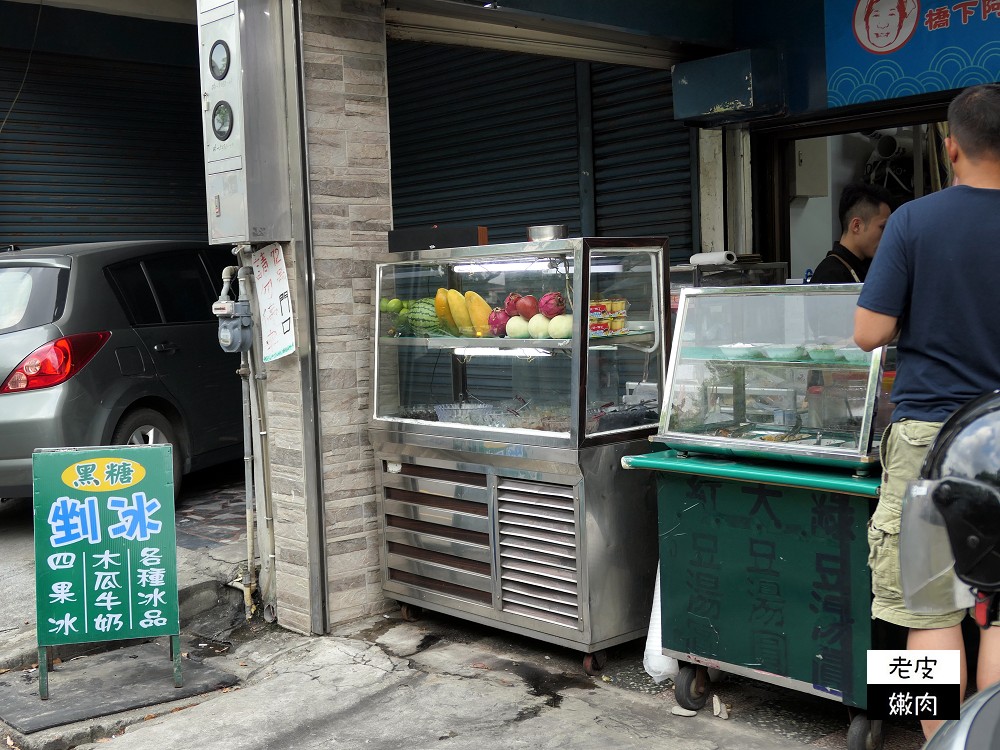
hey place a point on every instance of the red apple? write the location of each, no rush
(527, 307)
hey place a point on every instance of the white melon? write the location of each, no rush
(561, 327)
(538, 327)
(517, 328)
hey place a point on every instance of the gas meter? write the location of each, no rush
(235, 325)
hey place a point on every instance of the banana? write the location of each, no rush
(460, 313)
(443, 310)
(479, 312)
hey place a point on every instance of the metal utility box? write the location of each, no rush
(243, 121)
(729, 88)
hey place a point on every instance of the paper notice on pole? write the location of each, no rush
(277, 328)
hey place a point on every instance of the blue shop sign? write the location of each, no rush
(888, 49)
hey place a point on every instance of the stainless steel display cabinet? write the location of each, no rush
(773, 372)
(501, 494)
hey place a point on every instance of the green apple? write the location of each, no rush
(394, 305)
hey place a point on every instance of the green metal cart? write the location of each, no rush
(763, 569)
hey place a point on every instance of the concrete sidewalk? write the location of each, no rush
(398, 684)
(386, 683)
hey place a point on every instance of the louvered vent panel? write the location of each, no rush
(437, 531)
(538, 543)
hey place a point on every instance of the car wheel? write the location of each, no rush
(149, 427)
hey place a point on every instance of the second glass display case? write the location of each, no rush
(773, 372)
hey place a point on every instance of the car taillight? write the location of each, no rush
(55, 362)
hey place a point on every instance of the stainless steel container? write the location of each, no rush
(547, 232)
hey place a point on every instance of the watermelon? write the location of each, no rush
(424, 319)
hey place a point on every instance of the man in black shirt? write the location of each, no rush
(864, 209)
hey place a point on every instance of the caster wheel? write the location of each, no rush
(409, 612)
(864, 734)
(593, 664)
(686, 689)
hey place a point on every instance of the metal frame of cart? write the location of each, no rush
(763, 572)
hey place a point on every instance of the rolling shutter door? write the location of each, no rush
(492, 139)
(99, 150)
(482, 137)
(642, 158)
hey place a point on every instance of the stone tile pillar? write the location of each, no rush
(347, 133)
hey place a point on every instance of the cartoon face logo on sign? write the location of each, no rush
(883, 26)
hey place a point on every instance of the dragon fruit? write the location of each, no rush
(552, 304)
(498, 321)
(510, 304)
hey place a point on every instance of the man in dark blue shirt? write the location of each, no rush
(935, 283)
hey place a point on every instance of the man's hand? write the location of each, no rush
(872, 329)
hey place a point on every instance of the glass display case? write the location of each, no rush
(773, 372)
(741, 273)
(581, 356)
(510, 382)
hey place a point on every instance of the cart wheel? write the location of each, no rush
(864, 734)
(686, 689)
(593, 664)
(409, 612)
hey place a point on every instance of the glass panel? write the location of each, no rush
(27, 297)
(439, 357)
(777, 368)
(623, 370)
(495, 341)
(133, 288)
(180, 285)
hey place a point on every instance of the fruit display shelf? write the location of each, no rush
(636, 337)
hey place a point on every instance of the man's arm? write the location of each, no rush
(873, 329)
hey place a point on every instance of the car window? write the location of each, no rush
(28, 297)
(135, 293)
(181, 287)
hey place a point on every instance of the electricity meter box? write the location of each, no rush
(243, 121)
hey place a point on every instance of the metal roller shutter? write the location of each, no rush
(482, 137)
(99, 150)
(642, 157)
(495, 139)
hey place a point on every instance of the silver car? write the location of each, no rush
(114, 343)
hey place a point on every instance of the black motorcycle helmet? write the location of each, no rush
(965, 458)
